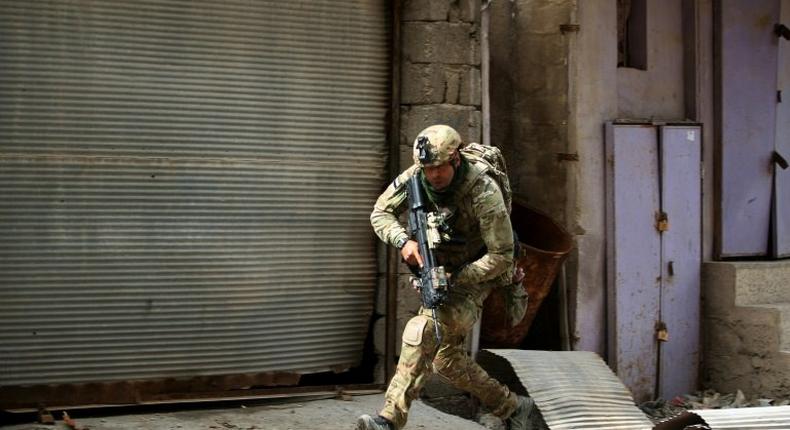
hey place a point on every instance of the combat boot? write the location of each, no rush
(366, 422)
(520, 418)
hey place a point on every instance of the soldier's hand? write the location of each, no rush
(411, 253)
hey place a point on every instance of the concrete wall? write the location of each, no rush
(551, 94)
(529, 97)
(656, 93)
(593, 72)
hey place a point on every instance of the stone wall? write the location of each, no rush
(440, 69)
(533, 98)
(529, 97)
(440, 84)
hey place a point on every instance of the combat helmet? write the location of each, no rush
(435, 145)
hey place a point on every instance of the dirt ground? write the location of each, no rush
(329, 414)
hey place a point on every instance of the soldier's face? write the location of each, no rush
(441, 175)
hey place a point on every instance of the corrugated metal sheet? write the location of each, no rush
(575, 390)
(185, 186)
(771, 417)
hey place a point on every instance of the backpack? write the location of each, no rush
(492, 157)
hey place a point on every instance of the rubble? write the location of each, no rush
(658, 410)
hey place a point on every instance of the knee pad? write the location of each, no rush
(415, 329)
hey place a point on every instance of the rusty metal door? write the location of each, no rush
(781, 205)
(633, 254)
(681, 257)
(747, 51)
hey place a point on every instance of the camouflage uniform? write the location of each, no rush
(481, 260)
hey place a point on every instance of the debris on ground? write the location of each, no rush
(71, 423)
(45, 417)
(660, 409)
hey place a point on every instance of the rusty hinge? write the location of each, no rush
(569, 28)
(662, 333)
(662, 221)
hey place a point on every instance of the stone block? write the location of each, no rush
(465, 119)
(759, 339)
(721, 339)
(718, 288)
(425, 10)
(452, 88)
(465, 10)
(728, 373)
(470, 87)
(440, 42)
(475, 132)
(762, 282)
(422, 83)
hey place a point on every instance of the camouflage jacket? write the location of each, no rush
(482, 245)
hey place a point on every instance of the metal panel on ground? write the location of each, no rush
(575, 390)
(185, 186)
(633, 253)
(681, 259)
(747, 106)
(781, 205)
(770, 417)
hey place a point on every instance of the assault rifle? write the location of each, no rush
(427, 229)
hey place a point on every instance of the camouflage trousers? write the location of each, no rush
(420, 355)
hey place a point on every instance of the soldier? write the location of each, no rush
(479, 258)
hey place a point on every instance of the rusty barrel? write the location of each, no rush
(544, 246)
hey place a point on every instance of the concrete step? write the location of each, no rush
(746, 314)
(762, 282)
(784, 323)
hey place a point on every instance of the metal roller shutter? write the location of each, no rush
(185, 186)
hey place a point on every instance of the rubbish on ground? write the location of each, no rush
(71, 423)
(658, 410)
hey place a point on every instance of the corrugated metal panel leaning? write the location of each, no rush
(575, 390)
